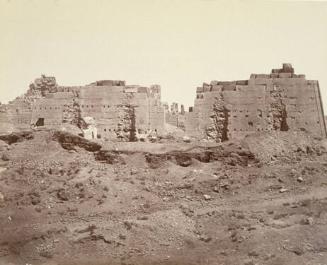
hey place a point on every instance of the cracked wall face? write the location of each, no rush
(72, 114)
(278, 109)
(223, 110)
(119, 110)
(280, 101)
(218, 129)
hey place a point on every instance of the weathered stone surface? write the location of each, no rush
(119, 110)
(280, 101)
(223, 110)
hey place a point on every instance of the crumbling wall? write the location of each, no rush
(278, 109)
(44, 84)
(218, 128)
(120, 111)
(280, 101)
(53, 111)
(126, 130)
(105, 104)
(127, 126)
(123, 111)
(71, 113)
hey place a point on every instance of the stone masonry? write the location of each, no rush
(119, 110)
(280, 101)
(222, 110)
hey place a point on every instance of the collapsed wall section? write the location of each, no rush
(217, 129)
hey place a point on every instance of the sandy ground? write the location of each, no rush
(259, 201)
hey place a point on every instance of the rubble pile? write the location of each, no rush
(17, 137)
(71, 142)
(68, 200)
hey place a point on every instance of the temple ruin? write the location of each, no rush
(279, 101)
(223, 110)
(103, 109)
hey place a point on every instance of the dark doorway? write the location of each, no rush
(40, 122)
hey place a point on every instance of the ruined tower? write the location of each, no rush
(280, 101)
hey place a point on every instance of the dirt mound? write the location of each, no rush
(70, 141)
(274, 146)
(230, 153)
(17, 137)
(183, 203)
(109, 157)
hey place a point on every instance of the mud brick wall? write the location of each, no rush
(281, 101)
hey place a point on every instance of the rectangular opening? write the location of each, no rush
(40, 122)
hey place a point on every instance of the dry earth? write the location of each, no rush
(262, 200)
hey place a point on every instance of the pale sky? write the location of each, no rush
(178, 44)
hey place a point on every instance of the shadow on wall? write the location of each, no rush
(39, 122)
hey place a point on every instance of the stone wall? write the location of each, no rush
(281, 101)
(117, 109)
(224, 110)
(15, 116)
